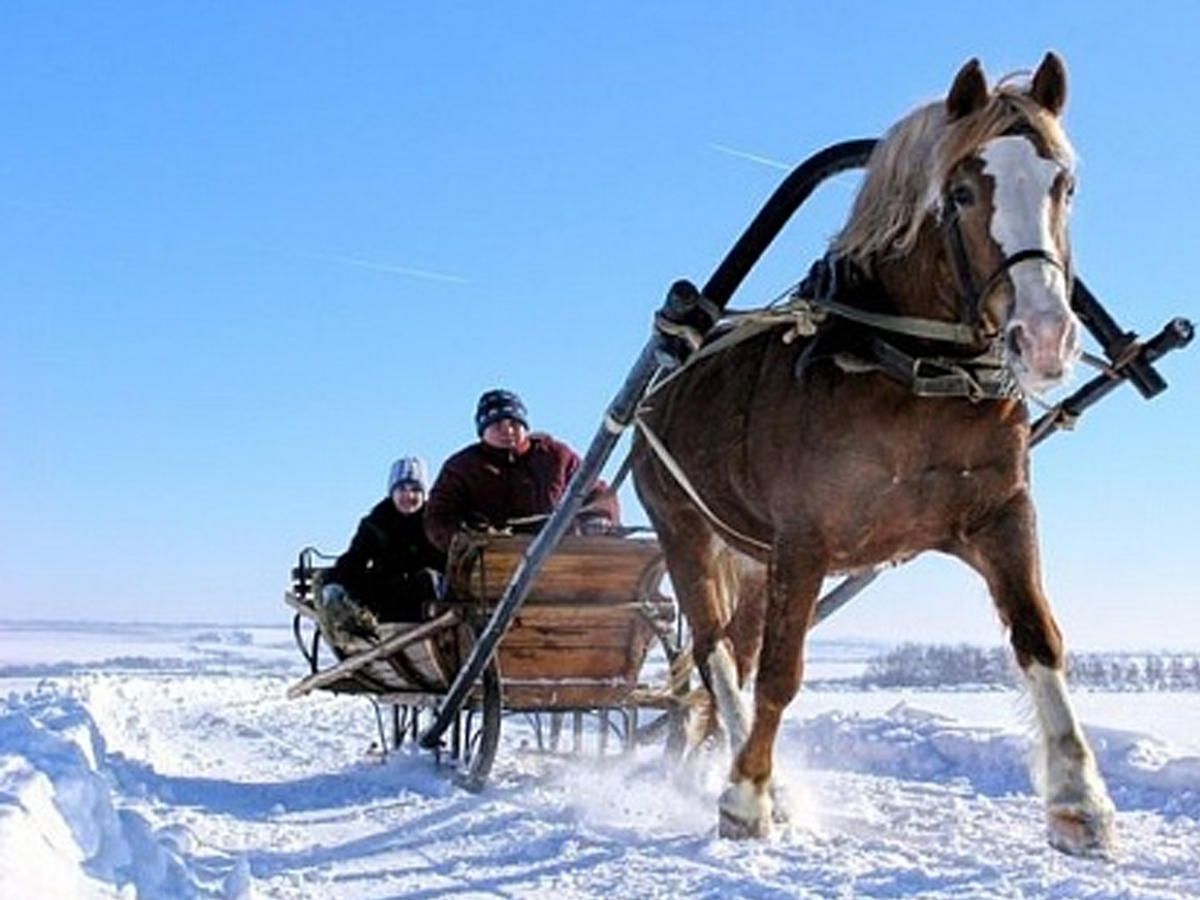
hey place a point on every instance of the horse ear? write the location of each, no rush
(969, 91)
(1049, 87)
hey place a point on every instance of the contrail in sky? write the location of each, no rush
(753, 157)
(408, 271)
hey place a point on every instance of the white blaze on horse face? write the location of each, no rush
(1042, 332)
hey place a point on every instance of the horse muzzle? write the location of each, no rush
(1041, 349)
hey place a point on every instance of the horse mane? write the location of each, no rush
(907, 169)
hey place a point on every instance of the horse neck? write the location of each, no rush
(920, 283)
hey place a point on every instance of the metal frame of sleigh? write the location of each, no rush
(490, 650)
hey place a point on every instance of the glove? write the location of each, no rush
(333, 595)
(478, 526)
(478, 523)
(340, 614)
(591, 523)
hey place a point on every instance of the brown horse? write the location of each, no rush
(781, 462)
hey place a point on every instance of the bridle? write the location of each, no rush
(971, 297)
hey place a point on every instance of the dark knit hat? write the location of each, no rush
(496, 405)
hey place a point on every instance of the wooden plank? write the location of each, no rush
(424, 658)
(578, 616)
(566, 638)
(580, 568)
(595, 662)
(393, 644)
(389, 678)
(302, 606)
(534, 696)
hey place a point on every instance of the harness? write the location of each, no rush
(826, 295)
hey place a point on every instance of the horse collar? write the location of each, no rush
(837, 286)
(983, 377)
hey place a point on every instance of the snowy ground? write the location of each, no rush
(164, 762)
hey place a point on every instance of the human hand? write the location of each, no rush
(338, 614)
(478, 524)
(594, 525)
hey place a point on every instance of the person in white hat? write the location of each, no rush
(391, 569)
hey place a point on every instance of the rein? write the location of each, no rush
(971, 298)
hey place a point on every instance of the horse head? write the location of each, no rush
(964, 214)
(1009, 202)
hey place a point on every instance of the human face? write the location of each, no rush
(506, 434)
(408, 497)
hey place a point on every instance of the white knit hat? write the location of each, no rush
(408, 468)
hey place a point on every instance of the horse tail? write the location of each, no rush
(742, 595)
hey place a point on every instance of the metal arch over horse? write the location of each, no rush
(808, 467)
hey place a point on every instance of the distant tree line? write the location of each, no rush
(940, 665)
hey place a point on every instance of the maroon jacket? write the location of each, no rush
(482, 486)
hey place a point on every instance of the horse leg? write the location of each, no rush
(698, 565)
(793, 582)
(1078, 808)
(745, 632)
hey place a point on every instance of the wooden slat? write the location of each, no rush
(301, 605)
(535, 696)
(393, 644)
(567, 638)
(596, 662)
(568, 616)
(426, 661)
(580, 570)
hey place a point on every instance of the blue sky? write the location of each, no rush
(251, 252)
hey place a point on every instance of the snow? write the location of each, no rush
(165, 762)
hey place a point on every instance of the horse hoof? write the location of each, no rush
(745, 812)
(739, 829)
(1080, 832)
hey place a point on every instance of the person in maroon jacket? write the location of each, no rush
(509, 480)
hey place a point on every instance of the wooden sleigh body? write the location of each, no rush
(581, 645)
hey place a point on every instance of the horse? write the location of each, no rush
(777, 462)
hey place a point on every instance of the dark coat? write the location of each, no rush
(386, 565)
(483, 486)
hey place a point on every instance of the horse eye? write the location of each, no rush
(961, 195)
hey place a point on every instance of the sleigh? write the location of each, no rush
(594, 652)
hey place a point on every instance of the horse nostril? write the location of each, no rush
(1012, 339)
